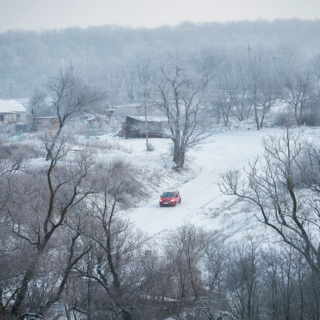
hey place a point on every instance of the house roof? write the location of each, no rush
(11, 106)
(150, 118)
(51, 117)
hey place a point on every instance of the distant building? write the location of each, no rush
(135, 127)
(110, 112)
(50, 123)
(13, 113)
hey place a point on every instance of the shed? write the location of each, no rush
(13, 113)
(135, 127)
(50, 123)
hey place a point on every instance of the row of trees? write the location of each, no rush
(241, 85)
(66, 251)
(28, 57)
(195, 92)
(172, 92)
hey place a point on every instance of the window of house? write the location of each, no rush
(1, 117)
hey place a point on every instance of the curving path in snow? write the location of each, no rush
(229, 150)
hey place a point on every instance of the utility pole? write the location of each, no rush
(145, 114)
(249, 49)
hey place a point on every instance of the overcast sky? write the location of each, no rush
(53, 14)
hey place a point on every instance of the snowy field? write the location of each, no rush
(202, 202)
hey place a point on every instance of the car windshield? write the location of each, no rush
(167, 195)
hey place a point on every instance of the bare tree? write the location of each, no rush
(39, 205)
(256, 68)
(222, 97)
(315, 66)
(270, 93)
(299, 93)
(70, 97)
(38, 106)
(145, 75)
(119, 248)
(230, 97)
(283, 185)
(189, 259)
(12, 162)
(179, 93)
(242, 108)
(243, 279)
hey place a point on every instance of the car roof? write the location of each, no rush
(169, 190)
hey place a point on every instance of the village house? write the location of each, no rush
(13, 113)
(135, 127)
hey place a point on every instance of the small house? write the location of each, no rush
(13, 113)
(136, 127)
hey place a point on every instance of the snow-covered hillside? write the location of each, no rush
(202, 201)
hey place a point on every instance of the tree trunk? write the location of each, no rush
(15, 311)
(146, 119)
(179, 155)
(256, 116)
(126, 315)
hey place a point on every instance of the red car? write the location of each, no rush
(170, 198)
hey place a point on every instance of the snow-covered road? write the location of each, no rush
(229, 150)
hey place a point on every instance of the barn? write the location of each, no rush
(13, 113)
(135, 127)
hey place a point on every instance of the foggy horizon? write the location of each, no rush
(42, 29)
(48, 15)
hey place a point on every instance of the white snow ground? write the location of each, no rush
(202, 202)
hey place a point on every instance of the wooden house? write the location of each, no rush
(42, 123)
(13, 113)
(135, 127)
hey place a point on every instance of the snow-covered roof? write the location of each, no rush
(150, 118)
(132, 105)
(51, 117)
(11, 106)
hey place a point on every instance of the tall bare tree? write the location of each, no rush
(299, 93)
(180, 94)
(145, 74)
(70, 96)
(118, 250)
(40, 203)
(256, 68)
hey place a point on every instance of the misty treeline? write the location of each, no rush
(237, 69)
(245, 62)
(194, 87)
(68, 252)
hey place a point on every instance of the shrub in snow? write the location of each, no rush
(283, 118)
(151, 147)
(311, 118)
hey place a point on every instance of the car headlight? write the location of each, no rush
(160, 200)
(172, 200)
